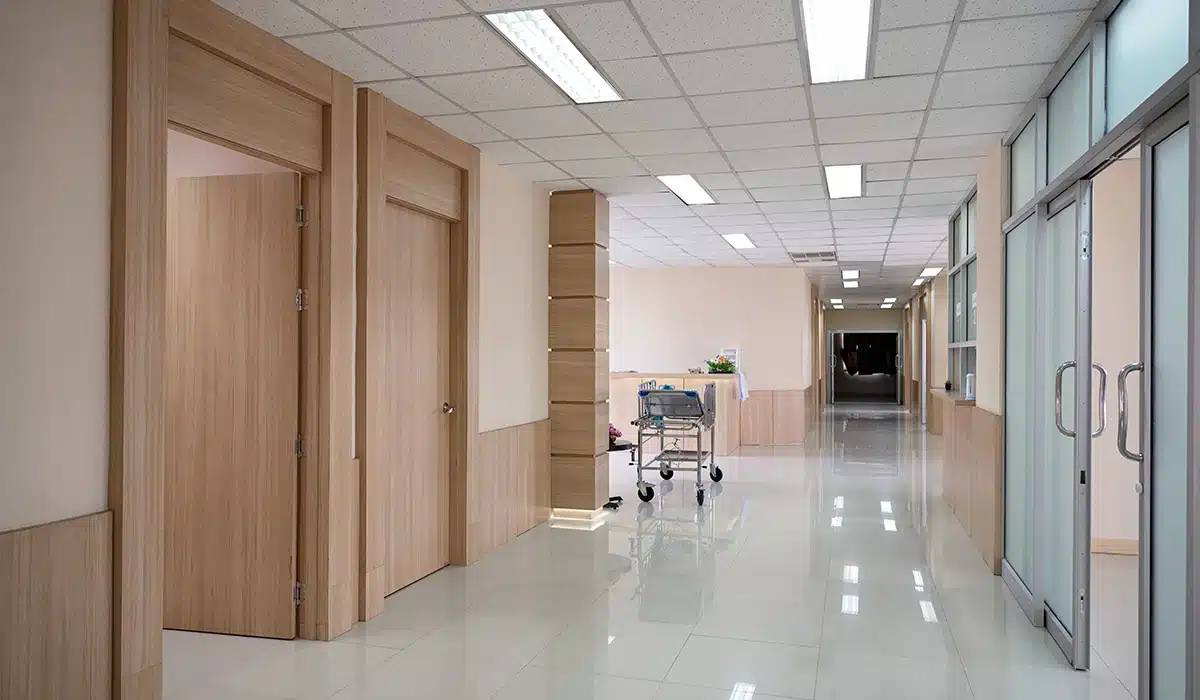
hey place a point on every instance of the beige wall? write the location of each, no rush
(514, 234)
(672, 319)
(865, 320)
(56, 79)
(989, 285)
(1116, 300)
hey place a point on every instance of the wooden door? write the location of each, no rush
(410, 278)
(232, 384)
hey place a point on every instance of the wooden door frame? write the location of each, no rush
(141, 31)
(379, 120)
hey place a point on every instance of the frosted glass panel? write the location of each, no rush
(1068, 116)
(1023, 161)
(958, 312)
(1056, 319)
(960, 239)
(970, 227)
(1019, 414)
(1147, 44)
(970, 300)
(1168, 452)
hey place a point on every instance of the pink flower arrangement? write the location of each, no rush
(613, 433)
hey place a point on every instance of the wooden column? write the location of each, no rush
(578, 350)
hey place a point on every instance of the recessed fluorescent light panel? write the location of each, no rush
(835, 301)
(931, 271)
(919, 281)
(844, 181)
(885, 306)
(836, 33)
(849, 604)
(849, 274)
(738, 240)
(686, 188)
(539, 38)
(850, 284)
(890, 300)
(838, 307)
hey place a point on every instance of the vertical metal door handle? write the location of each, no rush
(1103, 396)
(1123, 411)
(1058, 382)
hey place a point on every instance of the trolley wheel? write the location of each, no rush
(715, 473)
(666, 474)
(699, 497)
(646, 493)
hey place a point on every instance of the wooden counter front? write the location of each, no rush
(623, 407)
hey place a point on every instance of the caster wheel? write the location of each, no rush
(666, 474)
(646, 493)
(700, 497)
(715, 473)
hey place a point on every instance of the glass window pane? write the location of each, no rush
(1019, 492)
(1068, 116)
(958, 315)
(1147, 44)
(960, 240)
(971, 306)
(1023, 161)
(970, 228)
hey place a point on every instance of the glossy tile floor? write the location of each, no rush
(827, 571)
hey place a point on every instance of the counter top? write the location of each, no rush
(668, 375)
(955, 396)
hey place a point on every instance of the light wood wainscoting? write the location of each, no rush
(623, 404)
(514, 488)
(772, 417)
(56, 607)
(974, 472)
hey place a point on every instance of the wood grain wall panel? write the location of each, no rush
(578, 271)
(212, 96)
(515, 491)
(789, 424)
(426, 136)
(421, 181)
(56, 604)
(578, 482)
(579, 429)
(229, 36)
(579, 376)
(934, 412)
(987, 486)
(579, 323)
(757, 419)
(579, 217)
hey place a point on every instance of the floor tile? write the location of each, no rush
(774, 669)
(541, 683)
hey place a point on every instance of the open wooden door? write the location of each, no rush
(232, 383)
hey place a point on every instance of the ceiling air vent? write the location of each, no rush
(821, 257)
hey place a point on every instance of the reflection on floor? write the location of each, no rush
(825, 571)
(1115, 615)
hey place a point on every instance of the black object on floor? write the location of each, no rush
(614, 502)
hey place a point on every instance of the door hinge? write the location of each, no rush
(301, 215)
(301, 299)
(297, 592)
(301, 446)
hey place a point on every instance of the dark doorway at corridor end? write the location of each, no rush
(865, 367)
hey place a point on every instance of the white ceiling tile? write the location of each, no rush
(884, 187)
(681, 164)
(910, 51)
(420, 48)
(626, 185)
(866, 234)
(506, 152)
(688, 25)
(643, 115)
(608, 30)
(871, 127)
(940, 184)
(748, 68)
(917, 200)
(730, 196)
(796, 206)
(866, 152)
(784, 194)
(773, 135)
(560, 185)
(649, 143)
(773, 158)
(415, 97)
(752, 107)
(575, 147)
(719, 181)
(360, 13)
(540, 122)
(716, 210)
(887, 171)
(339, 52)
(760, 229)
(863, 203)
(864, 218)
(941, 210)
(931, 223)
(972, 120)
(602, 167)
(921, 237)
(493, 5)
(948, 167)
(991, 86)
(679, 226)
(279, 17)
(978, 9)
(782, 178)
(641, 78)
(798, 217)
(957, 146)
(909, 13)
(881, 95)
(676, 210)
(510, 88)
(1005, 42)
(657, 199)
(467, 127)
(538, 172)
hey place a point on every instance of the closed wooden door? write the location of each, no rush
(233, 372)
(410, 275)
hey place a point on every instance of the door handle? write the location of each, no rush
(1103, 395)
(447, 408)
(1123, 411)
(1058, 383)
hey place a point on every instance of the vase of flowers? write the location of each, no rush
(613, 434)
(721, 365)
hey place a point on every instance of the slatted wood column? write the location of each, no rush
(578, 350)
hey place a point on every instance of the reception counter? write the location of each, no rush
(623, 407)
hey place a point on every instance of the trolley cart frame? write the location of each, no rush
(677, 415)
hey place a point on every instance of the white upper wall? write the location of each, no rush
(188, 156)
(56, 78)
(514, 236)
(673, 319)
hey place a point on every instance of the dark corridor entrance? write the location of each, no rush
(865, 367)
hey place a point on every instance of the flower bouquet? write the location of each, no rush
(721, 365)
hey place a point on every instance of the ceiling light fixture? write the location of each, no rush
(739, 240)
(686, 188)
(919, 281)
(885, 306)
(849, 604)
(890, 300)
(850, 284)
(838, 307)
(844, 181)
(849, 274)
(836, 33)
(540, 39)
(835, 301)
(931, 271)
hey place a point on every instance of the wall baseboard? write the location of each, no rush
(1109, 545)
